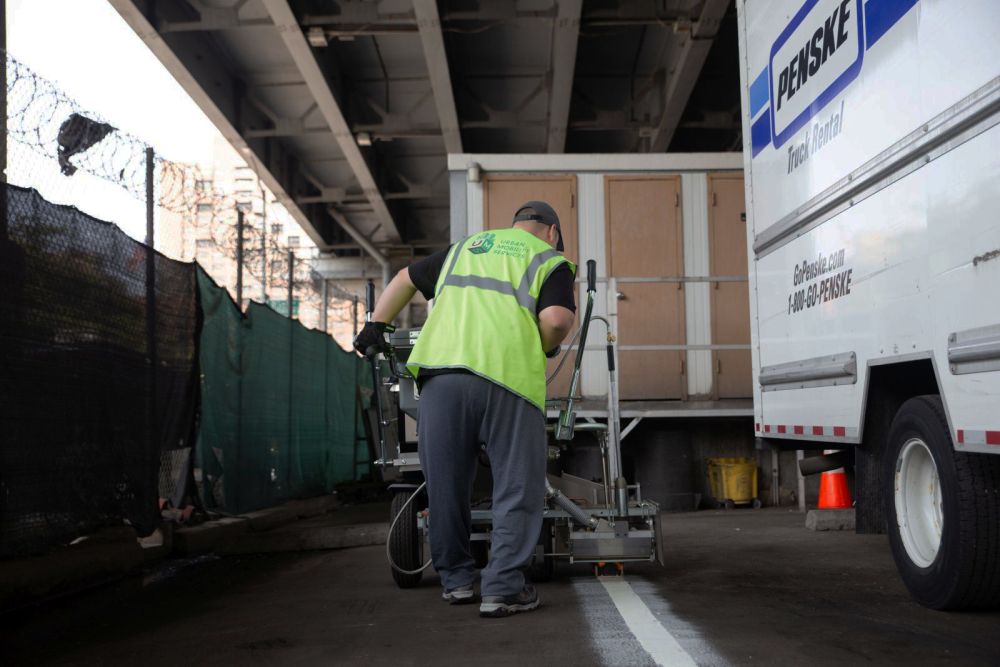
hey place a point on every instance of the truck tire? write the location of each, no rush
(943, 511)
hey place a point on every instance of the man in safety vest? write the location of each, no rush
(503, 301)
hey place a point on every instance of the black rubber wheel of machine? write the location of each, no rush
(965, 572)
(757, 504)
(730, 505)
(404, 542)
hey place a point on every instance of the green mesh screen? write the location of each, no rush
(279, 406)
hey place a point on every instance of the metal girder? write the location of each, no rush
(567, 32)
(329, 196)
(429, 24)
(685, 71)
(365, 244)
(295, 41)
(213, 18)
(359, 13)
(285, 127)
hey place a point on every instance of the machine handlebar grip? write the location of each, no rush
(611, 358)
(370, 297)
(591, 275)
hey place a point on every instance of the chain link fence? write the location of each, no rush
(101, 336)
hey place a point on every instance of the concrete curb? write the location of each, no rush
(113, 553)
(110, 553)
(293, 538)
(217, 536)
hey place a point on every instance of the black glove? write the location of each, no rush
(371, 339)
(553, 353)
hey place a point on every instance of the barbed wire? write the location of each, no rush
(43, 118)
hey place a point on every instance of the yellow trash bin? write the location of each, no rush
(733, 481)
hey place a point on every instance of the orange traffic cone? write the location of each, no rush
(833, 491)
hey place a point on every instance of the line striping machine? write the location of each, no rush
(603, 521)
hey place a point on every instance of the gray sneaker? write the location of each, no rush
(459, 595)
(498, 606)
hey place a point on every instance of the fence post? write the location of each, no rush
(325, 309)
(291, 374)
(354, 315)
(239, 257)
(151, 406)
(263, 246)
(291, 281)
(3, 123)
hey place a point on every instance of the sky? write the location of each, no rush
(89, 51)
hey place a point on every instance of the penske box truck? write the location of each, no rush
(872, 163)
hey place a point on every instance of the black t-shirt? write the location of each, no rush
(557, 290)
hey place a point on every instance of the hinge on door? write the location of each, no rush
(715, 199)
(572, 200)
(677, 199)
(718, 366)
(683, 367)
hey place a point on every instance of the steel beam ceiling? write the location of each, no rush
(293, 91)
(684, 72)
(295, 41)
(429, 24)
(567, 33)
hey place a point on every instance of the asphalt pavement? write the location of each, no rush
(741, 587)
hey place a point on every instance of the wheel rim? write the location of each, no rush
(918, 502)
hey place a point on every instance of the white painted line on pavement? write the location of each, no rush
(652, 636)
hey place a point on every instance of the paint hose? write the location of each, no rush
(571, 508)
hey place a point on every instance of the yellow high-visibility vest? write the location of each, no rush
(484, 318)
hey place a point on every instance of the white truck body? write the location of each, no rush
(872, 161)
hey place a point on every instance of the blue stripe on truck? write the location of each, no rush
(760, 133)
(881, 15)
(759, 94)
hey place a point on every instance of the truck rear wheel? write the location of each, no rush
(943, 511)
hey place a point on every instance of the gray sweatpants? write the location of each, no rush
(458, 412)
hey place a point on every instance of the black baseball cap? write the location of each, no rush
(539, 211)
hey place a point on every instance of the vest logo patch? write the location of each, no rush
(483, 244)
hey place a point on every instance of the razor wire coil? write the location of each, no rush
(53, 125)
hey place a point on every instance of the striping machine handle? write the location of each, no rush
(369, 300)
(591, 275)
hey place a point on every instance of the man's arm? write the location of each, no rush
(554, 323)
(394, 297)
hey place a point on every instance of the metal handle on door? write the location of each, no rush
(620, 296)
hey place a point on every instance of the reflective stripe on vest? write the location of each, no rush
(522, 293)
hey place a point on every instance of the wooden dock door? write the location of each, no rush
(503, 195)
(732, 372)
(644, 240)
